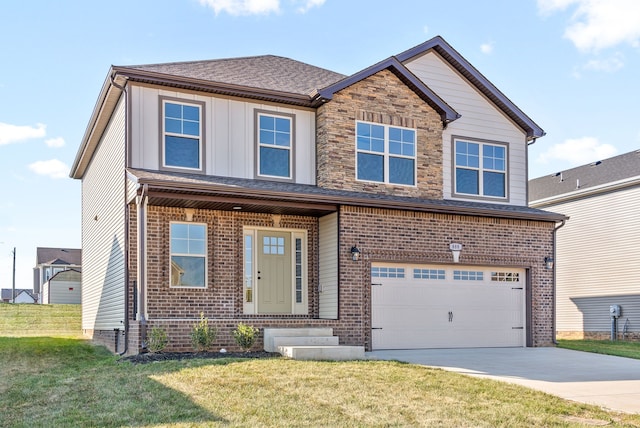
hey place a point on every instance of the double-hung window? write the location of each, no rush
(480, 169)
(188, 255)
(386, 154)
(275, 145)
(182, 135)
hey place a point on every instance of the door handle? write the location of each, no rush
(450, 316)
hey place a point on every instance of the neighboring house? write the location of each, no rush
(22, 296)
(598, 255)
(63, 288)
(50, 261)
(268, 191)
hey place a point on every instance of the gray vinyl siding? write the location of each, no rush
(480, 119)
(328, 266)
(229, 133)
(598, 261)
(103, 226)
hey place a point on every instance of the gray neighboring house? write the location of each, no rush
(22, 296)
(63, 288)
(49, 262)
(598, 256)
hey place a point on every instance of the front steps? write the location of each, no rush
(316, 343)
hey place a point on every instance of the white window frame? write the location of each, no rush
(481, 169)
(250, 270)
(386, 155)
(164, 133)
(292, 120)
(205, 256)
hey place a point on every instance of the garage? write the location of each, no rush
(447, 306)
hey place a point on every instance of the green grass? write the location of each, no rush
(63, 381)
(40, 320)
(49, 381)
(608, 347)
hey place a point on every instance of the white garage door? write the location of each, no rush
(425, 306)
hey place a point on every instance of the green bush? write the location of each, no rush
(203, 336)
(245, 336)
(157, 340)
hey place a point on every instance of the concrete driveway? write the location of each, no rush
(606, 381)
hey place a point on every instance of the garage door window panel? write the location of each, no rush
(387, 272)
(428, 274)
(468, 275)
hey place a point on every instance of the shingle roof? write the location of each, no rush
(585, 177)
(269, 72)
(226, 187)
(5, 293)
(65, 256)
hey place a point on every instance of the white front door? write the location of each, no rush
(453, 306)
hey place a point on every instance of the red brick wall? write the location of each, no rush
(382, 235)
(399, 236)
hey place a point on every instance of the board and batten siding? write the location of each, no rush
(328, 266)
(103, 229)
(480, 119)
(598, 261)
(229, 133)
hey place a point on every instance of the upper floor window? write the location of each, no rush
(386, 154)
(275, 145)
(480, 169)
(188, 255)
(182, 135)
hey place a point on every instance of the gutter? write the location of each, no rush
(123, 89)
(555, 269)
(141, 203)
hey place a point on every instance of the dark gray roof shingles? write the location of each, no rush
(586, 176)
(267, 72)
(70, 256)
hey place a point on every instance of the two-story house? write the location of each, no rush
(51, 262)
(389, 205)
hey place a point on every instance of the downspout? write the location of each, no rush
(555, 268)
(126, 223)
(141, 202)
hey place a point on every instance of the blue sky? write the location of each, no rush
(571, 65)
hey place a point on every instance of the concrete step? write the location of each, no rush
(270, 333)
(305, 341)
(320, 353)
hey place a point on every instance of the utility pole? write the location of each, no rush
(13, 293)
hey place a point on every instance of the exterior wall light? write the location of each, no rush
(355, 254)
(548, 263)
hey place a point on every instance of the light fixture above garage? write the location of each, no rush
(548, 263)
(355, 253)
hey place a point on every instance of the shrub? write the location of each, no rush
(157, 340)
(203, 336)
(245, 336)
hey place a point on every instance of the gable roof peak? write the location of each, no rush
(439, 45)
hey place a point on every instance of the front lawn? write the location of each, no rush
(67, 382)
(619, 348)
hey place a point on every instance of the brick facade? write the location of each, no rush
(382, 235)
(381, 98)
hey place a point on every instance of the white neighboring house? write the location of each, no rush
(22, 296)
(63, 288)
(598, 256)
(49, 262)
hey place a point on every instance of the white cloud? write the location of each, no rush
(609, 65)
(599, 24)
(243, 7)
(15, 134)
(55, 142)
(308, 4)
(578, 151)
(486, 48)
(52, 168)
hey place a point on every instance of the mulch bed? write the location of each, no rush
(168, 356)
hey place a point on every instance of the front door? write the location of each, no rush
(274, 272)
